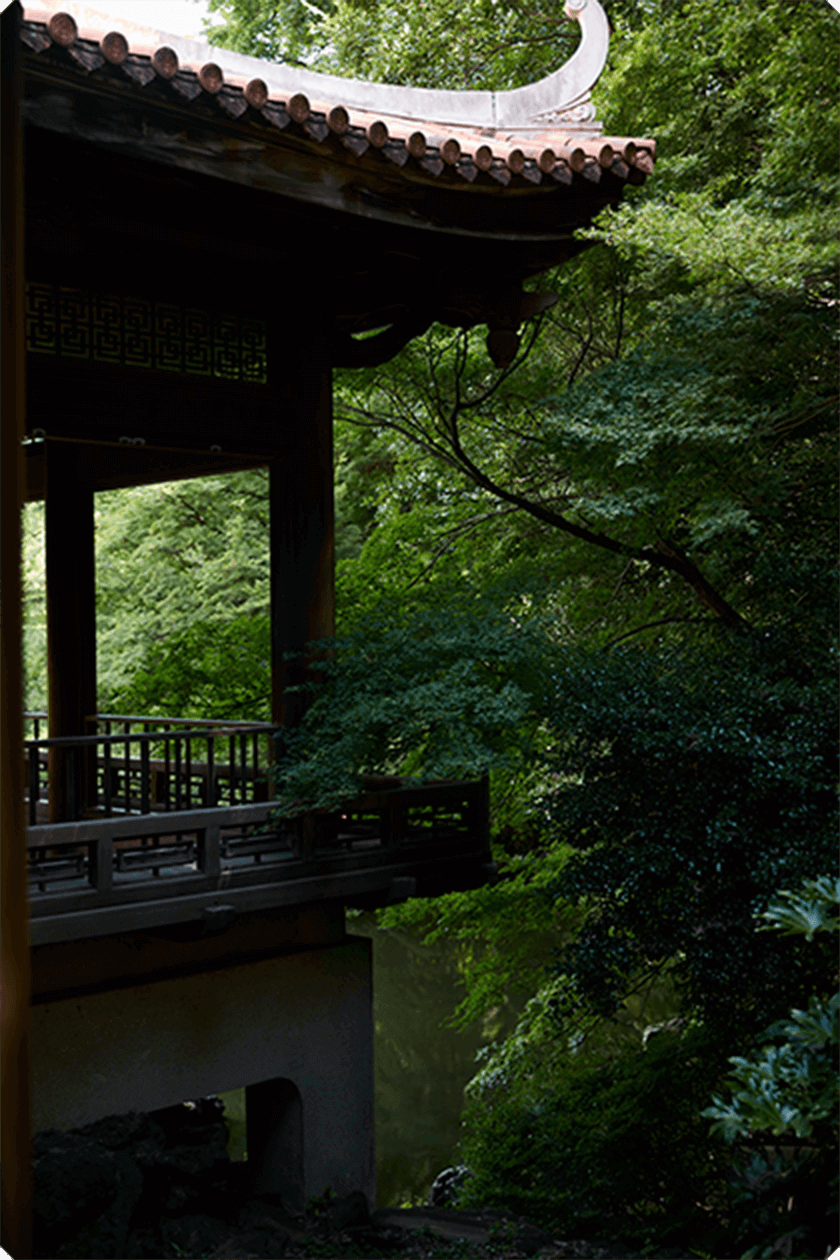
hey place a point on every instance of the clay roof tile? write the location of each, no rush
(552, 142)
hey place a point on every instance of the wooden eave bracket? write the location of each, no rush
(315, 128)
(432, 164)
(502, 311)
(533, 304)
(395, 151)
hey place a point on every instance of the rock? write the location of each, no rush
(447, 1184)
(351, 1211)
(138, 1186)
(84, 1196)
(97, 1186)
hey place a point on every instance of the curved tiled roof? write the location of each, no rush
(540, 134)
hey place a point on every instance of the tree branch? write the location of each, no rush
(449, 448)
(661, 621)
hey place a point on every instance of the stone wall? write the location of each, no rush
(296, 1029)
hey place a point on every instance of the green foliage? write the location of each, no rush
(614, 1149)
(478, 44)
(215, 669)
(806, 912)
(169, 557)
(700, 439)
(506, 930)
(34, 591)
(787, 1088)
(666, 448)
(446, 696)
(692, 788)
(716, 87)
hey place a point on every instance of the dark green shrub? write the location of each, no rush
(693, 786)
(615, 1150)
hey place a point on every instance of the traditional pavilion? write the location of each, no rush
(193, 239)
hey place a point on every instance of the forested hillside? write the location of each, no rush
(606, 576)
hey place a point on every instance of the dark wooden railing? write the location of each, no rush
(98, 876)
(129, 764)
(149, 822)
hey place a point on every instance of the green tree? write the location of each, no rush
(489, 44)
(691, 789)
(171, 558)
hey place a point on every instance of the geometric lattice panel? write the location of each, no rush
(135, 333)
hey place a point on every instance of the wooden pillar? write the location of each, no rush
(302, 518)
(71, 620)
(15, 984)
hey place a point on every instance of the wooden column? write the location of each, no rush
(15, 984)
(302, 519)
(71, 620)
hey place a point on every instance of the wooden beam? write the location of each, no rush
(71, 618)
(101, 403)
(301, 497)
(112, 466)
(15, 983)
(137, 227)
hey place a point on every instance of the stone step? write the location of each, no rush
(479, 1226)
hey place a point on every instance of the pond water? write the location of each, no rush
(420, 1067)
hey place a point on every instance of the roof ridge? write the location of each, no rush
(561, 97)
(558, 148)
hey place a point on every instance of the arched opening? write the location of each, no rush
(274, 1124)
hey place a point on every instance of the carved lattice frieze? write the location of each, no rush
(133, 332)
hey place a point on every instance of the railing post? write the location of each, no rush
(89, 768)
(177, 773)
(145, 801)
(210, 849)
(101, 864)
(70, 801)
(257, 793)
(211, 774)
(107, 782)
(127, 767)
(167, 769)
(34, 783)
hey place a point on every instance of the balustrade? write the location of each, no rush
(128, 764)
(165, 816)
